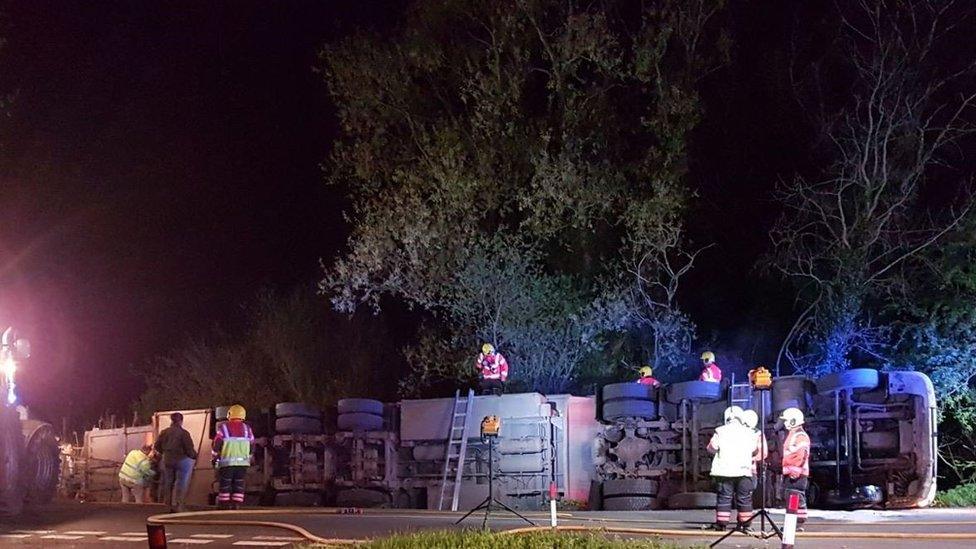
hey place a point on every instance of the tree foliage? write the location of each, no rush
(505, 159)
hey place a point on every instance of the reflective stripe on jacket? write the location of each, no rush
(733, 445)
(796, 453)
(136, 468)
(711, 373)
(493, 366)
(232, 444)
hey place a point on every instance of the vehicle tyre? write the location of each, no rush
(858, 378)
(360, 405)
(692, 500)
(791, 392)
(636, 391)
(694, 390)
(41, 466)
(527, 463)
(11, 444)
(360, 422)
(220, 413)
(289, 409)
(630, 487)
(297, 499)
(296, 425)
(631, 503)
(616, 410)
(360, 497)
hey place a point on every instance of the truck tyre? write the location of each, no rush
(694, 390)
(360, 422)
(858, 378)
(791, 392)
(41, 466)
(631, 390)
(630, 503)
(220, 413)
(360, 405)
(11, 446)
(296, 425)
(289, 409)
(629, 487)
(616, 410)
(527, 463)
(361, 497)
(692, 500)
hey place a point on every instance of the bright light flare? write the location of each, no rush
(8, 368)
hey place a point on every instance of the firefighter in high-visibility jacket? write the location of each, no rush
(647, 377)
(733, 445)
(232, 448)
(751, 420)
(796, 458)
(493, 369)
(135, 474)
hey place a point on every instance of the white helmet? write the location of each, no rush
(791, 417)
(750, 419)
(733, 413)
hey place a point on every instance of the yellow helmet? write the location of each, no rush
(487, 348)
(236, 412)
(646, 371)
(709, 356)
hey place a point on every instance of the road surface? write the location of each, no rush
(91, 525)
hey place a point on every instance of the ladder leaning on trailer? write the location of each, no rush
(457, 446)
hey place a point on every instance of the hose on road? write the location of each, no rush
(703, 533)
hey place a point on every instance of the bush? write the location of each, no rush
(475, 539)
(963, 495)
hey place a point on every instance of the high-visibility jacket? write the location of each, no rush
(648, 380)
(796, 453)
(761, 453)
(232, 443)
(733, 445)
(711, 373)
(136, 468)
(492, 366)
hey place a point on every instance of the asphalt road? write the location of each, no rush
(115, 525)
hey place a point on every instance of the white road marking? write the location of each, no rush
(14, 536)
(279, 538)
(38, 532)
(60, 536)
(144, 534)
(212, 536)
(262, 543)
(85, 533)
(121, 538)
(191, 541)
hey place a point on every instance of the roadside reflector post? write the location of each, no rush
(157, 536)
(553, 494)
(789, 523)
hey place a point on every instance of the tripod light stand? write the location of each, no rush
(490, 427)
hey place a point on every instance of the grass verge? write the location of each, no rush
(477, 539)
(963, 495)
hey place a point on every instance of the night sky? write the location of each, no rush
(161, 164)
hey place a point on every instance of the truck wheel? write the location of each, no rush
(858, 378)
(694, 390)
(220, 413)
(630, 487)
(288, 409)
(298, 425)
(692, 500)
(630, 503)
(11, 446)
(41, 467)
(635, 391)
(790, 392)
(360, 422)
(363, 405)
(360, 497)
(615, 410)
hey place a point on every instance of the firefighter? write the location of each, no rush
(493, 369)
(710, 370)
(135, 474)
(751, 419)
(647, 377)
(733, 445)
(232, 448)
(796, 458)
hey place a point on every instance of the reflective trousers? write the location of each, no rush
(231, 484)
(737, 488)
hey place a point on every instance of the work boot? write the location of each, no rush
(717, 526)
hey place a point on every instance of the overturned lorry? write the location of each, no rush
(630, 447)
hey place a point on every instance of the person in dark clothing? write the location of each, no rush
(175, 445)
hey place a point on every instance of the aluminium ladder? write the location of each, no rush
(457, 446)
(740, 394)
